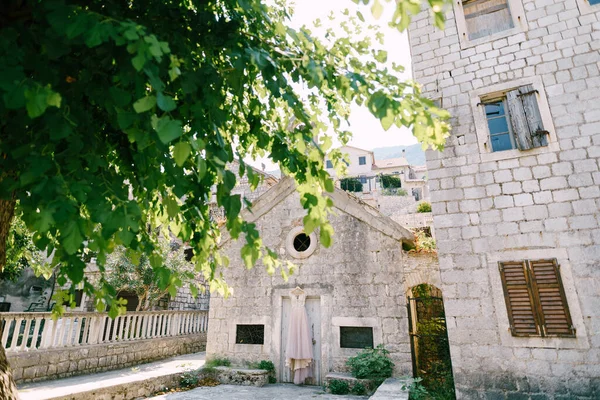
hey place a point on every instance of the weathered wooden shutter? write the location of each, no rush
(486, 17)
(525, 118)
(553, 309)
(518, 294)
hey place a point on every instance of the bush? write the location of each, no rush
(424, 243)
(337, 386)
(266, 365)
(218, 362)
(351, 185)
(359, 389)
(373, 364)
(189, 379)
(394, 192)
(390, 181)
(416, 390)
(424, 207)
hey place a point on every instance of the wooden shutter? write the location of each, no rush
(525, 118)
(486, 17)
(554, 313)
(519, 299)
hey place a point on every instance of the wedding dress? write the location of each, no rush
(299, 352)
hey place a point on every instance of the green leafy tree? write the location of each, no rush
(127, 270)
(117, 118)
(351, 184)
(390, 181)
(20, 251)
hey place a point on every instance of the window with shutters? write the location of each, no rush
(486, 17)
(535, 299)
(480, 21)
(513, 119)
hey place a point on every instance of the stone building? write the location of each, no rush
(356, 289)
(516, 193)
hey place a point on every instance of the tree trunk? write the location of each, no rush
(8, 388)
(7, 211)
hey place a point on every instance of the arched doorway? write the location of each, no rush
(429, 341)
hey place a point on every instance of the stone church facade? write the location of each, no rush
(516, 193)
(356, 289)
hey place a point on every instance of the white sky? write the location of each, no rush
(367, 130)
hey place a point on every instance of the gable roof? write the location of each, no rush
(391, 162)
(342, 201)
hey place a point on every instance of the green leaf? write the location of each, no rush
(139, 61)
(325, 235)
(38, 100)
(71, 238)
(376, 9)
(168, 129)
(144, 104)
(181, 152)
(165, 103)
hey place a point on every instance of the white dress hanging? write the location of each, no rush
(299, 353)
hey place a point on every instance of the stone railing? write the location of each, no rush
(30, 331)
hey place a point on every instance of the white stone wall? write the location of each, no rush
(542, 203)
(360, 278)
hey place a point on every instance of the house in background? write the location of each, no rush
(516, 193)
(362, 165)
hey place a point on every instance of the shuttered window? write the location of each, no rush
(486, 17)
(535, 298)
(525, 118)
(515, 121)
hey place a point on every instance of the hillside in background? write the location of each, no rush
(414, 153)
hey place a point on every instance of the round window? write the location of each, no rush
(301, 242)
(300, 245)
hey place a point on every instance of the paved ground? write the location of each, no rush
(102, 380)
(279, 391)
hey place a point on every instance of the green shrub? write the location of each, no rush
(272, 379)
(416, 390)
(189, 379)
(373, 364)
(337, 386)
(359, 389)
(209, 371)
(390, 181)
(351, 184)
(424, 207)
(218, 362)
(394, 192)
(424, 243)
(266, 365)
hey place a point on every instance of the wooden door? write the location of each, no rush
(313, 309)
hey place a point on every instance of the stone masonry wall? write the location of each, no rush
(542, 203)
(38, 365)
(359, 278)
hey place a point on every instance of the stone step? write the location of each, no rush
(123, 384)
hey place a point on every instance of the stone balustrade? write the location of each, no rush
(23, 332)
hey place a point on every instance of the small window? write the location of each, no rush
(250, 334)
(535, 299)
(514, 121)
(486, 17)
(356, 337)
(500, 134)
(301, 242)
(363, 179)
(362, 160)
(329, 164)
